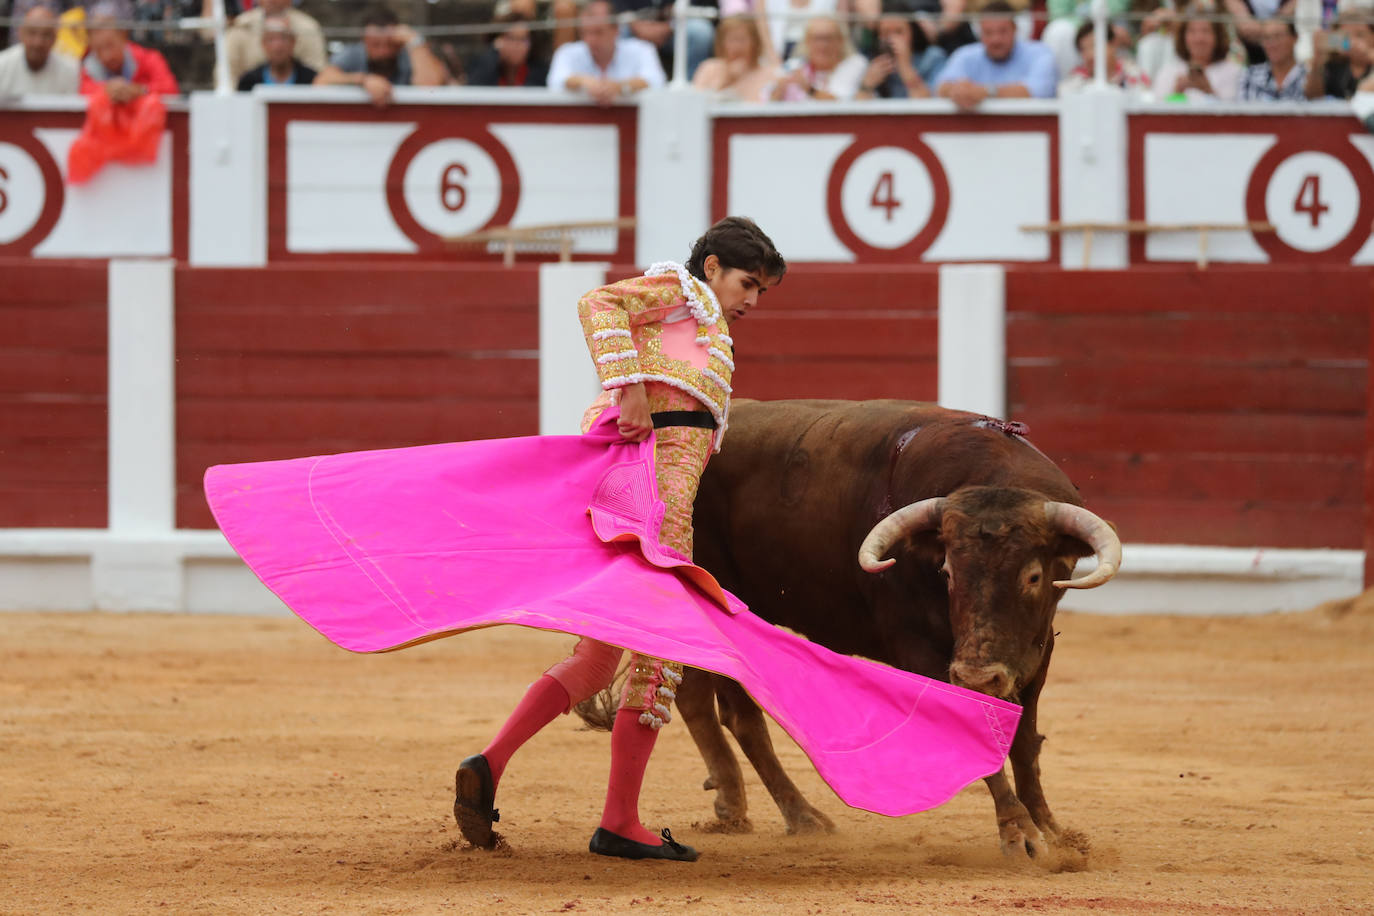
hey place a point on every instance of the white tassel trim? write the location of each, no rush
(711, 374)
(606, 333)
(719, 354)
(706, 313)
(729, 341)
(616, 357)
(620, 381)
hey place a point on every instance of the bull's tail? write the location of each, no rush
(598, 710)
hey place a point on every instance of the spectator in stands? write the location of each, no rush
(1280, 78)
(282, 67)
(1200, 68)
(31, 67)
(741, 69)
(1155, 45)
(1121, 72)
(603, 64)
(509, 60)
(825, 68)
(1342, 59)
(390, 54)
(1248, 18)
(906, 63)
(1066, 17)
(787, 33)
(115, 64)
(999, 66)
(653, 23)
(244, 44)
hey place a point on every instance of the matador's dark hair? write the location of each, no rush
(737, 242)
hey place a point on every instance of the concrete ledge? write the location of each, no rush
(198, 572)
(61, 569)
(1167, 579)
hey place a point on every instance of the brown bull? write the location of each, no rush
(983, 532)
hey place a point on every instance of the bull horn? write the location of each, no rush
(918, 516)
(1093, 531)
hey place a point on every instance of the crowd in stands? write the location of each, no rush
(967, 51)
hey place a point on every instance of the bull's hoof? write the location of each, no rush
(728, 813)
(1021, 839)
(735, 825)
(806, 819)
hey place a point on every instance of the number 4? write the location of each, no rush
(1311, 188)
(884, 196)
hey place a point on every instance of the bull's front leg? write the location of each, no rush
(696, 702)
(1025, 756)
(746, 722)
(1017, 830)
(1024, 822)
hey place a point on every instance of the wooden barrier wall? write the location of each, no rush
(307, 360)
(1221, 407)
(53, 368)
(838, 332)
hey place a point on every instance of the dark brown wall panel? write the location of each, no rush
(302, 360)
(1218, 407)
(53, 382)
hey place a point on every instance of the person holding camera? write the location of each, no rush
(1280, 78)
(1341, 59)
(1201, 66)
(906, 63)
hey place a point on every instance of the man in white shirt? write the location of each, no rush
(31, 67)
(243, 42)
(603, 64)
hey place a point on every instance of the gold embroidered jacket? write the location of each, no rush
(624, 326)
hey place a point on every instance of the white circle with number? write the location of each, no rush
(452, 187)
(887, 196)
(1312, 200)
(22, 190)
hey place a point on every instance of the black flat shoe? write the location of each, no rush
(472, 808)
(605, 843)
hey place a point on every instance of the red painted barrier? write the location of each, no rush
(304, 360)
(53, 452)
(1223, 407)
(842, 332)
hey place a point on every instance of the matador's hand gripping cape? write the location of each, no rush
(385, 549)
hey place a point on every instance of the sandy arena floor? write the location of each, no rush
(244, 765)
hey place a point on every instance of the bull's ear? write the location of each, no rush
(1072, 547)
(926, 546)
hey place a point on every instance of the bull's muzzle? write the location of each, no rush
(995, 679)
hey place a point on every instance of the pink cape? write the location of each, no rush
(384, 549)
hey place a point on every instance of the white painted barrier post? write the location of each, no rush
(125, 574)
(228, 186)
(567, 381)
(973, 338)
(672, 175)
(1092, 175)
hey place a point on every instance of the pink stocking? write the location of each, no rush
(631, 744)
(541, 704)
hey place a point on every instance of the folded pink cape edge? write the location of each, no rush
(383, 550)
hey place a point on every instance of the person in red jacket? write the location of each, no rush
(124, 69)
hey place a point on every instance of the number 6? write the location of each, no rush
(450, 187)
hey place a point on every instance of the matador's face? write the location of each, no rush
(737, 290)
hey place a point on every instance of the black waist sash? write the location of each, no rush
(701, 419)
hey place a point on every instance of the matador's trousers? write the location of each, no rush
(680, 455)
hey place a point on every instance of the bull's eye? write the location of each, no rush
(1034, 579)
